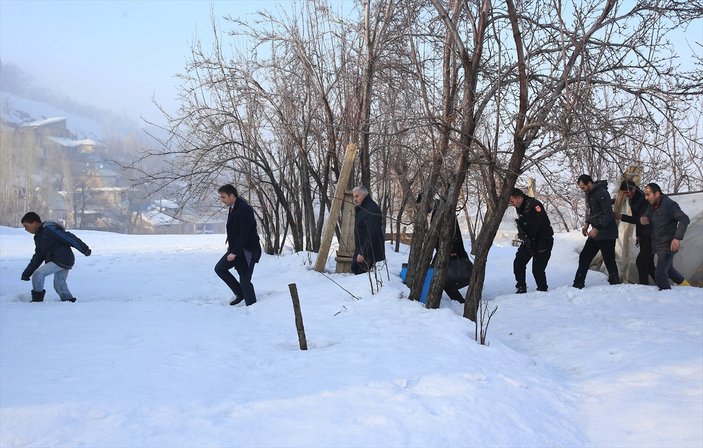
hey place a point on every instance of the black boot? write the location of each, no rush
(38, 296)
(521, 289)
(70, 299)
(237, 300)
(614, 280)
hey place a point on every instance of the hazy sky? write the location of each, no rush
(117, 54)
(110, 54)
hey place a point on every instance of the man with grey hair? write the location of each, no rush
(368, 232)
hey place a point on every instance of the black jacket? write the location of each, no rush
(639, 206)
(600, 211)
(457, 249)
(368, 231)
(241, 231)
(53, 244)
(533, 225)
(668, 222)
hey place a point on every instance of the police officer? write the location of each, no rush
(535, 232)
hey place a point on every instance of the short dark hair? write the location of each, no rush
(517, 192)
(628, 185)
(654, 188)
(585, 179)
(228, 189)
(30, 217)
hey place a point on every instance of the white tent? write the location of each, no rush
(689, 261)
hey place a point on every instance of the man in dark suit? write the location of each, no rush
(243, 247)
(368, 232)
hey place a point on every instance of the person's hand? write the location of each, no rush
(644, 221)
(359, 258)
(87, 253)
(584, 230)
(637, 242)
(675, 245)
(25, 279)
(618, 215)
(593, 233)
(230, 257)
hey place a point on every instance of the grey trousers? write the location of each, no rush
(60, 275)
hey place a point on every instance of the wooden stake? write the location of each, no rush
(328, 232)
(298, 316)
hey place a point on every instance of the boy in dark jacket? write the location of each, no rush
(639, 206)
(669, 224)
(602, 233)
(53, 248)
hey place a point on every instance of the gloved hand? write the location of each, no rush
(25, 279)
(88, 252)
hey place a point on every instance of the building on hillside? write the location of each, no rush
(49, 127)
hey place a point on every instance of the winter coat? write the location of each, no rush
(368, 231)
(668, 222)
(600, 211)
(52, 243)
(241, 232)
(533, 225)
(639, 206)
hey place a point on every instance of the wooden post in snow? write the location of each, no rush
(532, 187)
(302, 340)
(328, 231)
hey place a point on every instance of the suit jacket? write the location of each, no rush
(368, 231)
(241, 232)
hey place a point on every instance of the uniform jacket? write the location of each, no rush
(668, 222)
(600, 211)
(53, 244)
(533, 223)
(639, 206)
(368, 231)
(241, 232)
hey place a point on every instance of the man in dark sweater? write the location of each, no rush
(638, 206)
(53, 248)
(669, 224)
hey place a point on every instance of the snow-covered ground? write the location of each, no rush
(152, 355)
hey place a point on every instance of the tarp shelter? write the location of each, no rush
(689, 261)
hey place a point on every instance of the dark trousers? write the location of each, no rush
(453, 293)
(539, 265)
(361, 268)
(665, 270)
(645, 261)
(588, 253)
(243, 287)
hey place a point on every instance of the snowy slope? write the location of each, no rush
(17, 110)
(151, 355)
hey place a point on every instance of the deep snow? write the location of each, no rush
(152, 355)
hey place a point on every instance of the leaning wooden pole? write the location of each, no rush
(328, 231)
(302, 340)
